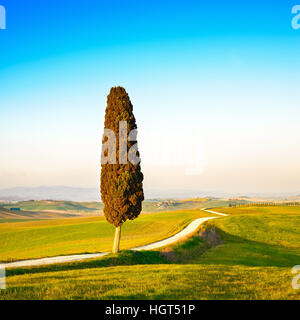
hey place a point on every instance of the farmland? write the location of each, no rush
(247, 255)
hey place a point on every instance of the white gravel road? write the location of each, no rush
(190, 229)
(214, 212)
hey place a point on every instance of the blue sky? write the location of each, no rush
(223, 76)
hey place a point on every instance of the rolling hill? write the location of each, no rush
(8, 215)
(247, 255)
(46, 208)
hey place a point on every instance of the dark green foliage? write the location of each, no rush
(121, 184)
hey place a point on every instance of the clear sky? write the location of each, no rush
(214, 84)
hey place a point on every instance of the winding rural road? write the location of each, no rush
(214, 212)
(189, 230)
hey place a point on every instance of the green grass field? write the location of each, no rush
(26, 240)
(260, 210)
(252, 257)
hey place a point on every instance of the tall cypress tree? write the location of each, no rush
(121, 179)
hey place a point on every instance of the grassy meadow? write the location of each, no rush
(247, 255)
(36, 239)
(278, 209)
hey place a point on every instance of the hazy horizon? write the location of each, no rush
(67, 193)
(214, 93)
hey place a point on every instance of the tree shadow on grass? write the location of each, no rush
(123, 258)
(234, 250)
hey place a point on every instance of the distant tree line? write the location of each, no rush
(265, 204)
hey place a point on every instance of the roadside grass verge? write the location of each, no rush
(123, 258)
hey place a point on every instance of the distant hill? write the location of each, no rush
(293, 198)
(7, 215)
(51, 209)
(49, 193)
(56, 206)
(77, 194)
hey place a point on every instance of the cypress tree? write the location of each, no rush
(121, 181)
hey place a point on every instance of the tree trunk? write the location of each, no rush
(117, 240)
